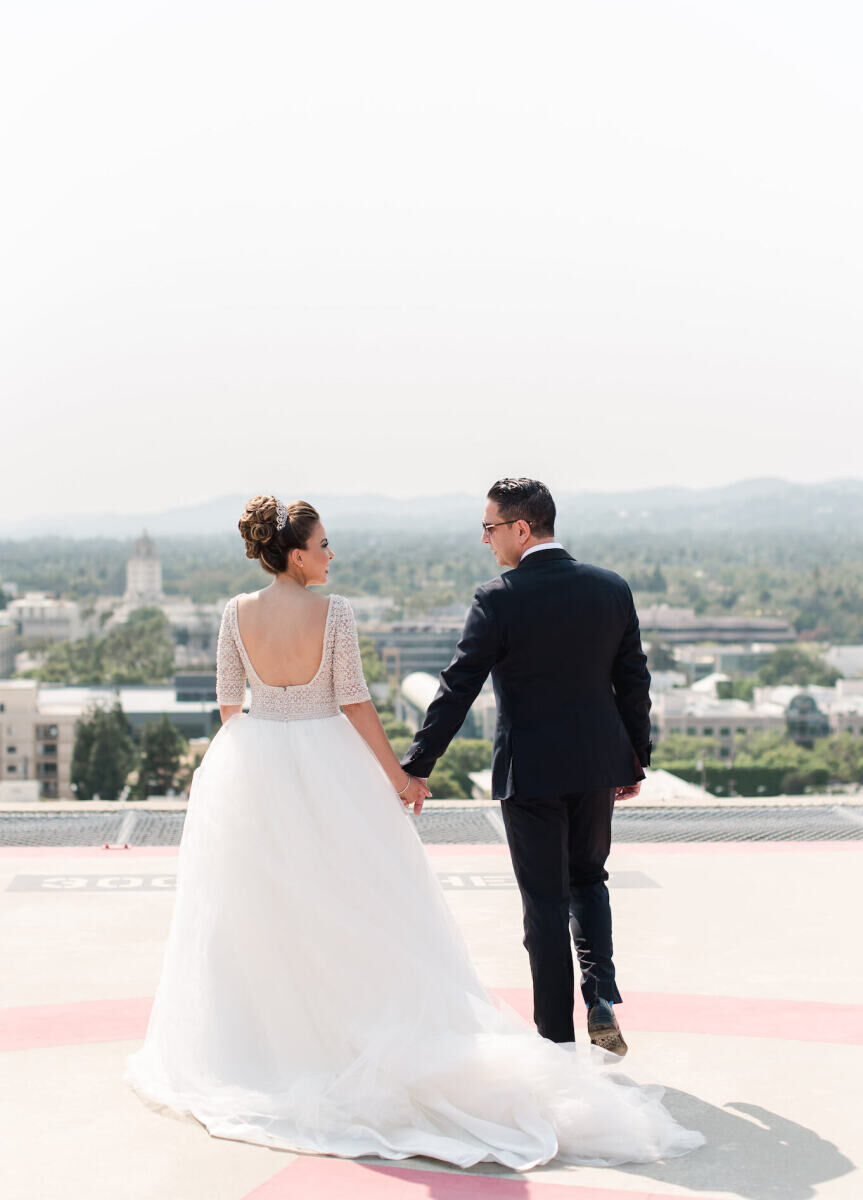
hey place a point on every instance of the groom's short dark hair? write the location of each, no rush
(525, 500)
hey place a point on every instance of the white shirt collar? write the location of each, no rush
(542, 546)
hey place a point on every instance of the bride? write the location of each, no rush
(316, 993)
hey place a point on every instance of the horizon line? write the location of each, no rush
(114, 514)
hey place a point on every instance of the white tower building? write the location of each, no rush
(143, 574)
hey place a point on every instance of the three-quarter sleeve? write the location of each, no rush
(348, 680)
(230, 672)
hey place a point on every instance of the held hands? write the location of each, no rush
(415, 792)
(628, 792)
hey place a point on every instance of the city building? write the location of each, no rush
(195, 685)
(682, 626)
(662, 681)
(371, 608)
(841, 705)
(407, 647)
(37, 723)
(194, 626)
(194, 631)
(143, 574)
(417, 692)
(702, 715)
(804, 713)
(847, 659)
(38, 616)
(805, 721)
(35, 745)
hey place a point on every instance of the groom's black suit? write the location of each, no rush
(562, 643)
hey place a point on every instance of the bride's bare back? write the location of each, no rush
(283, 631)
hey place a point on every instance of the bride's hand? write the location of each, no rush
(415, 793)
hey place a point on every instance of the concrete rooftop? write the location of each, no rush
(739, 963)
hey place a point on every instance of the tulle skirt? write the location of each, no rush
(317, 995)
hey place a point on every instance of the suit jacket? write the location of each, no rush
(562, 643)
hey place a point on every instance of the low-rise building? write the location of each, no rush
(847, 659)
(804, 713)
(368, 609)
(38, 616)
(681, 626)
(34, 744)
(37, 723)
(699, 659)
(417, 692)
(841, 705)
(194, 631)
(408, 647)
(700, 714)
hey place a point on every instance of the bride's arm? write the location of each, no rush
(352, 696)
(365, 720)
(230, 671)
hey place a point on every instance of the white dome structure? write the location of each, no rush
(419, 689)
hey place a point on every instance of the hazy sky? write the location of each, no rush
(353, 247)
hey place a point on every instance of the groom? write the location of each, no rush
(562, 643)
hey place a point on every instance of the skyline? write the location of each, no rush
(362, 251)
(754, 504)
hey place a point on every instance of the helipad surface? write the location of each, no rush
(739, 962)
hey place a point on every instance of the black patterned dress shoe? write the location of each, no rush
(603, 1028)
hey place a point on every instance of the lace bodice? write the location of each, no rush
(339, 678)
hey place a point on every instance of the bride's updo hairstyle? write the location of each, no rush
(258, 526)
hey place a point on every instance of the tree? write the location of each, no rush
(79, 774)
(373, 667)
(660, 657)
(138, 651)
(735, 689)
(394, 728)
(103, 754)
(675, 748)
(401, 745)
(187, 771)
(162, 748)
(648, 581)
(446, 784)
(790, 664)
(450, 778)
(772, 748)
(842, 753)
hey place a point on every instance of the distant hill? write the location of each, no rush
(751, 504)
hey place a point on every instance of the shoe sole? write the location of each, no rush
(610, 1039)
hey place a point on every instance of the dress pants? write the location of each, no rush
(559, 846)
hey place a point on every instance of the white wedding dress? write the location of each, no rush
(316, 994)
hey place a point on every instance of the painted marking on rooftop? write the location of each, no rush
(730, 1016)
(315, 1178)
(457, 880)
(467, 850)
(451, 881)
(39, 1025)
(92, 883)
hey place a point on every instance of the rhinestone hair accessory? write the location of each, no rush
(281, 515)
